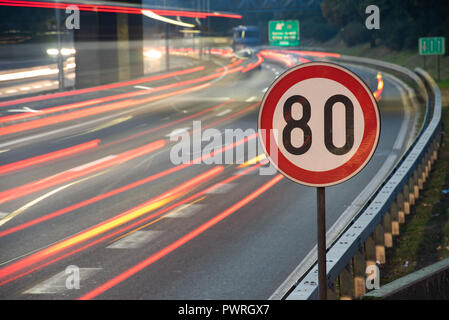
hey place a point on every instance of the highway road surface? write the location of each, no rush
(88, 187)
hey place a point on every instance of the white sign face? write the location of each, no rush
(322, 122)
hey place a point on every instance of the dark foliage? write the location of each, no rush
(401, 22)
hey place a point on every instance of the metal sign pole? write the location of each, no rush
(275, 115)
(321, 223)
(60, 60)
(167, 50)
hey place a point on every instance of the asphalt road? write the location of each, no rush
(139, 226)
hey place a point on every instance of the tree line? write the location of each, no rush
(401, 22)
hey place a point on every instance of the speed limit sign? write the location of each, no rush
(319, 124)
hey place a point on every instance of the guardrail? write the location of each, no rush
(363, 242)
(387, 66)
(428, 283)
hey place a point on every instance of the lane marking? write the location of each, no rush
(223, 112)
(57, 283)
(25, 109)
(181, 241)
(5, 219)
(243, 171)
(92, 163)
(222, 188)
(143, 87)
(160, 218)
(135, 224)
(178, 132)
(135, 240)
(9, 272)
(185, 211)
(121, 189)
(110, 124)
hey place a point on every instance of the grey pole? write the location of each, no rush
(167, 51)
(321, 223)
(167, 44)
(59, 57)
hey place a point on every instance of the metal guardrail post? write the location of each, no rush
(406, 193)
(394, 219)
(370, 251)
(346, 283)
(359, 273)
(388, 233)
(401, 209)
(379, 237)
(332, 292)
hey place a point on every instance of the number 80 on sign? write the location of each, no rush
(319, 124)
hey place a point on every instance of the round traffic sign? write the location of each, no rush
(319, 124)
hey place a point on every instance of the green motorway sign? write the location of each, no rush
(283, 33)
(432, 46)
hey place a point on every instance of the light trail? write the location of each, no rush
(48, 157)
(117, 9)
(115, 97)
(74, 173)
(181, 241)
(133, 225)
(108, 225)
(380, 86)
(102, 87)
(89, 112)
(124, 188)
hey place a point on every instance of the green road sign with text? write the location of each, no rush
(432, 46)
(283, 33)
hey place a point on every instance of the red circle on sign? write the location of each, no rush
(370, 114)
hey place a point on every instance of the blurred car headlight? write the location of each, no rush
(153, 54)
(64, 51)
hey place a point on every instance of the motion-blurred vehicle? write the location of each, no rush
(245, 36)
